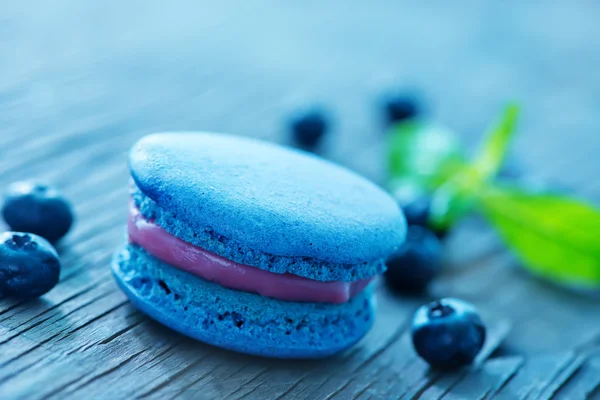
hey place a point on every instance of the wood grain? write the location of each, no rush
(80, 82)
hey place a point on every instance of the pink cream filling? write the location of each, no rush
(227, 273)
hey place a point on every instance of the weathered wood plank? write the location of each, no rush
(536, 375)
(584, 384)
(566, 374)
(483, 382)
(80, 83)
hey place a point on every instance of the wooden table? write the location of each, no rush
(81, 81)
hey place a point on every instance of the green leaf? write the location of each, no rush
(449, 204)
(423, 152)
(456, 197)
(554, 236)
(495, 147)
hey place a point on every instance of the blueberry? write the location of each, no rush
(308, 127)
(447, 333)
(37, 209)
(417, 211)
(416, 205)
(414, 265)
(29, 265)
(399, 107)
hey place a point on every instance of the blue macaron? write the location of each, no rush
(264, 206)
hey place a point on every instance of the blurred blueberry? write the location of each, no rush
(414, 265)
(38, 209)
(416, 205)
(309, 126)
(448, 333)
(416, 211)
(398, 107)
(29, 265)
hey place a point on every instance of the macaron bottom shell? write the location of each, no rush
(240, 321)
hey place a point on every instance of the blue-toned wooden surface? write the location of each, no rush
(81, 81)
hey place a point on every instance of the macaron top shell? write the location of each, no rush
(272, 199)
